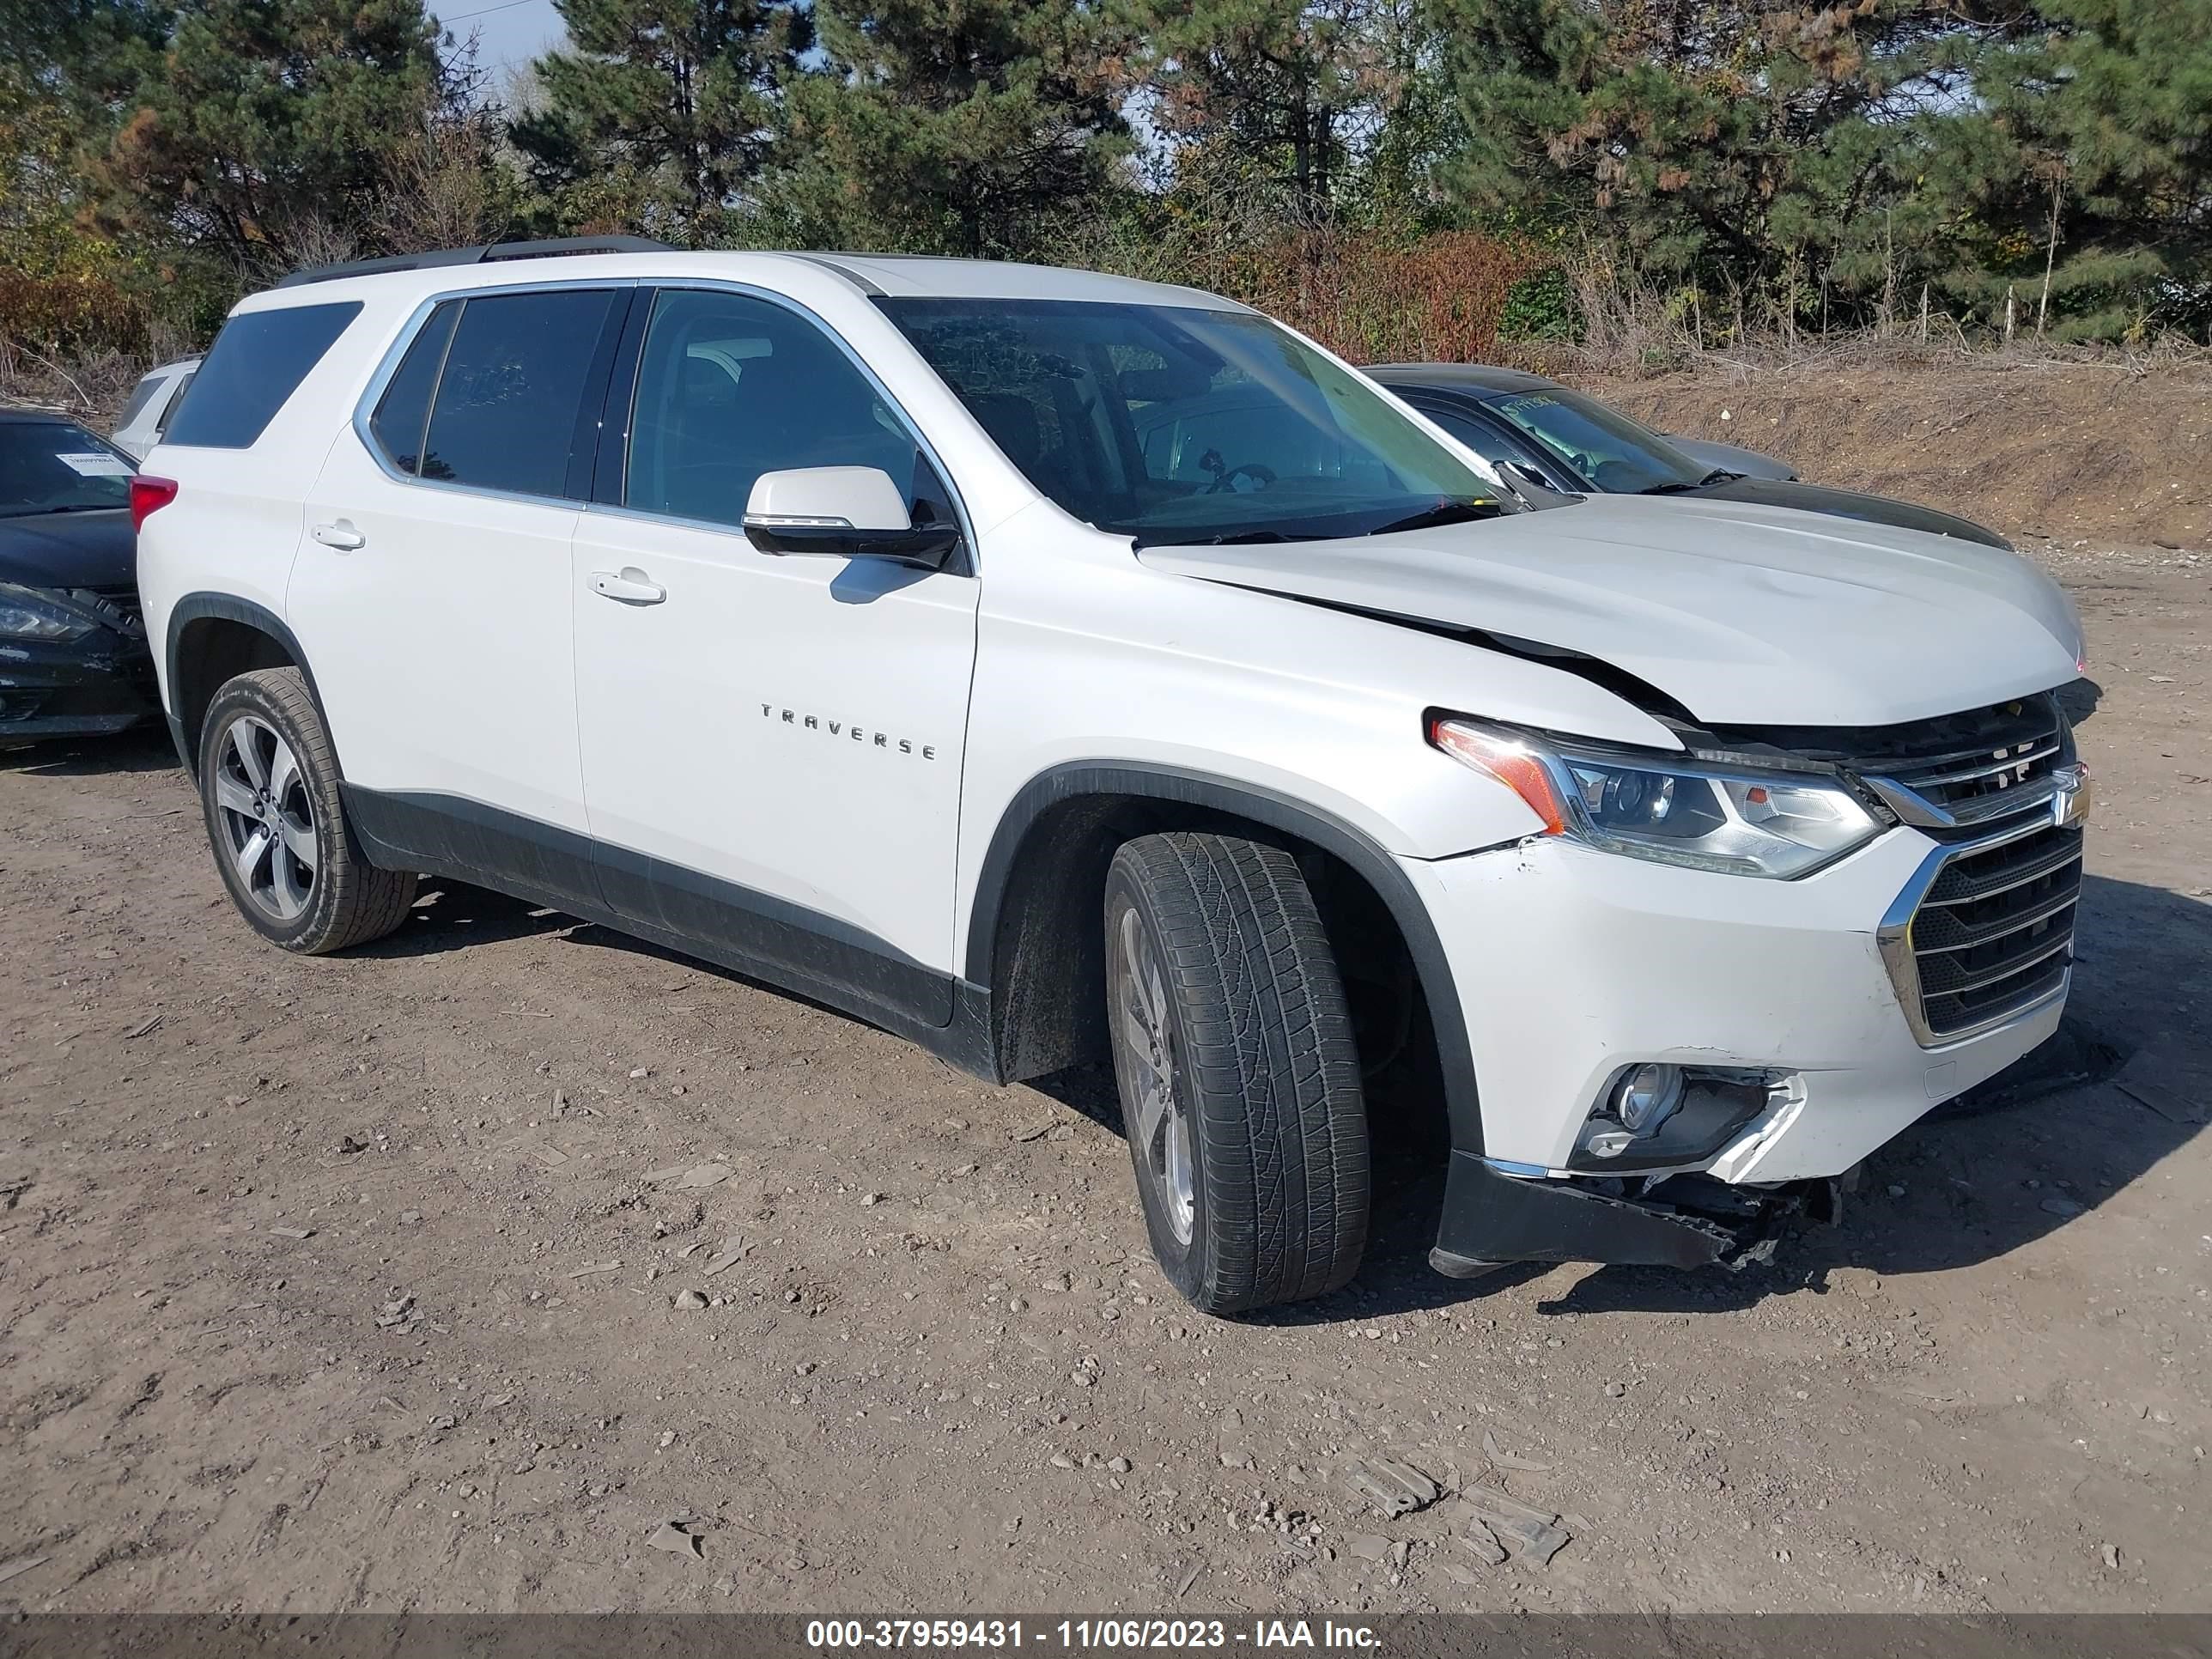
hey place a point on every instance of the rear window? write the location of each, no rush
(56, 466)
(256, 363)
(141, 396)
(176, 399)
(509, 409)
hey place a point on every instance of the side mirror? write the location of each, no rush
(843, 513)
(1531, 483)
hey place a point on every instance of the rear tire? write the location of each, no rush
(268, 791)
(1239, 1080)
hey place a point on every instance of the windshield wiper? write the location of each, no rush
(76, 506)
(1228, 539)
(1676, 486)
(1443, 513)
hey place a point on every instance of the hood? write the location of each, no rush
(69, 549)
(1743, 615)
(1850, 504)
(1734, 458)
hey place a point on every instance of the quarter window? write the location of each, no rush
(253, 368)
(402, 414)
(509, 411)
(169, 410)
(143, 395)
(729, 387)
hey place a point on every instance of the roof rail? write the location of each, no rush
(491, 254)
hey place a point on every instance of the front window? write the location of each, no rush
(732, 386)
(1608, 451)
(56, 466)
(1171, 424)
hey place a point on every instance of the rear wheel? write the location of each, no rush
(1238, 1077)
(269, 789)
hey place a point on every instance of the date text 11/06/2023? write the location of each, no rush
(1087, 1635)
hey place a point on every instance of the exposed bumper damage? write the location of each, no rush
(1684, 1221)
(83, 688)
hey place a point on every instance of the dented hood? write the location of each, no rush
(1743, 615)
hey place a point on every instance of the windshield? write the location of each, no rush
(1611, 451)
(1174, 425)
(56, 466)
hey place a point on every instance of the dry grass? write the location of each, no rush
(92, 388)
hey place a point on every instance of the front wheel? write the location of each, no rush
(269, 788)
(1239, 1081)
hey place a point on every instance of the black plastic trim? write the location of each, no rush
(1277, 811)
(199, 606)
(588, 436)
(1490, 1219)
(491, 253)
(618, 400)
(757, 934)
(929, 546)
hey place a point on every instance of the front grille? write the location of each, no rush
(1971, 769)
(1994, 931)
(118, 605)
(1986, 930)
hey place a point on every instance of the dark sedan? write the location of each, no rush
(73, 656)
(1547, 439)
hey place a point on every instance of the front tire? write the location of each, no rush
(1239, 1080)
(268, 790)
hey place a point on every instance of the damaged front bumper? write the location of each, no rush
(1491, 1217)
(94, 686)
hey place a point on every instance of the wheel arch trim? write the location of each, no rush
(1373, 863)
(205, 606)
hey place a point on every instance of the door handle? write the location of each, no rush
(631, 587)
(342, 535)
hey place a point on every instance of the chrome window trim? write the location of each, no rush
(388, 365)
(1894, 936)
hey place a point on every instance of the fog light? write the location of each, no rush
(1646, 1097)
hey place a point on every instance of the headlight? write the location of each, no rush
(26, 615)
(1671, 809)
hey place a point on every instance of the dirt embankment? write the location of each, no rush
(2040, 451)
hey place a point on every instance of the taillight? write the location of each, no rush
(148, 494)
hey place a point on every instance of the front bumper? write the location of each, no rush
(91, 687)
(1572, 964)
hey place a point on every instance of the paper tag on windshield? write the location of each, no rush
(93, 464)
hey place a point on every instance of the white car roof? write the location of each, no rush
(902, 276)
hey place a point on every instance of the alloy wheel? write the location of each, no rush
(267, 818)
(1143, 1036)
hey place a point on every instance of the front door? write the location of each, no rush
(771, 744)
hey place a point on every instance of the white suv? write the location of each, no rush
(1048, 666)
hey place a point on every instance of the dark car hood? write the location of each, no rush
(94, 550)
(1850, 504)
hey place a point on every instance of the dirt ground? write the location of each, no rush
(342, 1285)
(2040, 449)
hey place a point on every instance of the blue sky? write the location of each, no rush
(513, 32)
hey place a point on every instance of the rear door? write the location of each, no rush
(433, 591)
(771, 744)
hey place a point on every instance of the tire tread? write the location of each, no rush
(1281, 1115)
(362, 903)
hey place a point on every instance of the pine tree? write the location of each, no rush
(2082, 183)
(265, 132)
(660, 113)
(64, 64)
(1273, 91)
(950, 126)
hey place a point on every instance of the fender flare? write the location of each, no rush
(201, 607)
(1372, 862)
